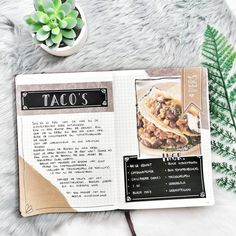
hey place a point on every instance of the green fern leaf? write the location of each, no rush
(224, 135)
(218, 103)
(223, 150)
(214, 89)
(227, 183)
(224, 168)
(231, 81)
(232, 95)
(219, 116)
(219, 57)
(215, 79)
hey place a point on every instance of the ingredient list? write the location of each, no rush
(163, 178)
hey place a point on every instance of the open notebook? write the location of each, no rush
(96, 141)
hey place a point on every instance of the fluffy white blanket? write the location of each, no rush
(123, 34)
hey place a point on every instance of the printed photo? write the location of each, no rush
(164, 129)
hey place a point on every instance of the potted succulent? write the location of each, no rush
(58, 26)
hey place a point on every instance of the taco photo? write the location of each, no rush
(162, 125)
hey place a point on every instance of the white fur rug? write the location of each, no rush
(123, 34)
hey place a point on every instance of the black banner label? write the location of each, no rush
(163, 178)
(64, 99)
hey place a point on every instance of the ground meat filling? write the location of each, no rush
(153, 137)
(166, 110)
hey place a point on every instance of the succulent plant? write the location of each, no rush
(55, 23)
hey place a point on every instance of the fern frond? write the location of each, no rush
(215, 79)
(224, 168)
(223, 150)
(210, 65)
(218, 103)
(232, 95)
(227, 183)
(219, 57)
(231, 81)
(219, 116)
(216, 90)
(223, 134)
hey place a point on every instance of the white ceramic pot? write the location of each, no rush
(78, 44)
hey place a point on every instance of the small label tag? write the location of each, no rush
(191, 89)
